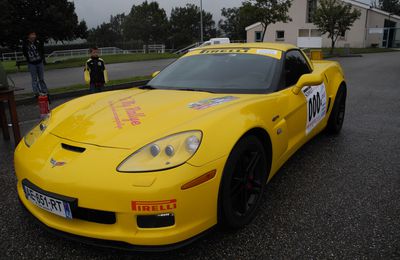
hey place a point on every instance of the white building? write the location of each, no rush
(375, 28)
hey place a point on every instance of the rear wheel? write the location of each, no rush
(336, 118)
(242, 183)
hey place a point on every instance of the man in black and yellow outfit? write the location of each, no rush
(95, 71)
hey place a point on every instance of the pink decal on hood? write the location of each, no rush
(125, 110)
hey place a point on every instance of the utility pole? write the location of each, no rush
(201, 21)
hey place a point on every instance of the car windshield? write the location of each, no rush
(220, 73)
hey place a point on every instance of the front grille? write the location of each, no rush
(92, 215)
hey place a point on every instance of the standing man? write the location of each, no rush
(34, 54)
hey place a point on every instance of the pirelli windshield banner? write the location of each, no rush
(264, 52)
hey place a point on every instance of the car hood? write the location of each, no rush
(126, 119)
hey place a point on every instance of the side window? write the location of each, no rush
(295, 66)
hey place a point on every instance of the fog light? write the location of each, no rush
(156, 221)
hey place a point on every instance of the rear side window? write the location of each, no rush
(295, 66)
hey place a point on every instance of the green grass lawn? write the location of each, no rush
(9, 66)
(59, 63)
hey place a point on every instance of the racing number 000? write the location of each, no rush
(314, 106)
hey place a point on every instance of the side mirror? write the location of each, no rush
(307, 80)
(155, 74)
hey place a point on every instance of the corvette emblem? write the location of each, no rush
(55, 163)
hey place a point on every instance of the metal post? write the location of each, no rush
(201, 21)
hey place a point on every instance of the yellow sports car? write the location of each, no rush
(154, 167)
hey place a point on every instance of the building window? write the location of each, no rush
(304, 33)
(315, 33)
(280, 36)
(311, 7)
(258, 36)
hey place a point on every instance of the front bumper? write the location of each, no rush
(116, 244)
(107, 190)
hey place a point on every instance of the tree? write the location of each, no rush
(334, 17)
(185, 25)
(390, 6)
(81, 31)
(116, 24)
(237, 19)
(103, 35)
(107, 34)
(55, 19)
(147, 22)
(271, 12)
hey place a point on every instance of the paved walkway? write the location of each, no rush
(71, 76)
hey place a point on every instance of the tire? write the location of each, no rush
(243, 183)
(336, 119)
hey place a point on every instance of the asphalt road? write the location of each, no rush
(337, 197)
(71, 76)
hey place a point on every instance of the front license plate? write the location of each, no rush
(53, 205)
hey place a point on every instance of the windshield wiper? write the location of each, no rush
(193, 89)
(147, 87)
(170, 88)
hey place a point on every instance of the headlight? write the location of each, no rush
(37, 131)
(164, 153)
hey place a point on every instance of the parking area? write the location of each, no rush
(337, 197)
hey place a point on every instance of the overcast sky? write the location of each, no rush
(94, 12)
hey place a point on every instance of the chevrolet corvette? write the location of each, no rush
(154, 167)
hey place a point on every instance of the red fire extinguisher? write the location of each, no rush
(43, 100)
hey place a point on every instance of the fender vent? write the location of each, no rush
(72, 148)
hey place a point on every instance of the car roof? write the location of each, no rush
(257, 45)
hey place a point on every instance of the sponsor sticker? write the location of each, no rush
(276, 54)
(212, 51)
(206, 103)
(267, 52)
(316, 105)
(154, 206)
(126, 111)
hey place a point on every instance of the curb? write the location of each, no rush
(78, 93)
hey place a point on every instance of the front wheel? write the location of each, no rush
(242, 183)
(336, 118)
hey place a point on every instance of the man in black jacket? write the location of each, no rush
(34, 54)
